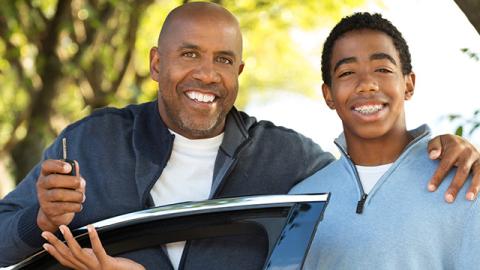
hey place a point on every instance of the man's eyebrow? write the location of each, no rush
(186, 45)
(344, 61)
(191, 46)
(380, 56)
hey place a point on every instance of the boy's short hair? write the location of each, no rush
(359, 21)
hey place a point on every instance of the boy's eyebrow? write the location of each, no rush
(380, 56)
(344, 61)
(375, 56)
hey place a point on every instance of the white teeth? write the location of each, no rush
(368, 109)
(200, 96)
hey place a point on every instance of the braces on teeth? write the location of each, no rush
(369, 109)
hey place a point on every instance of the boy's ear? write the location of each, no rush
(410, 85)
(154, 63)
(327, 95)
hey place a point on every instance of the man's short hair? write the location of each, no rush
(359, 21)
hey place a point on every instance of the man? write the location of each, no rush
(367, 74)
(136, 157)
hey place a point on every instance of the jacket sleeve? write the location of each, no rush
(20, 236)
(314, 157)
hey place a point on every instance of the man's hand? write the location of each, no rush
(60, 196)
(76, 257)
(452, 151)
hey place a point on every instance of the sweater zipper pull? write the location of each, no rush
(361, 203)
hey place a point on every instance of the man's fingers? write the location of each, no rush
(464, 165)
(444, 166)
(435, 147)
(61, 252)
(55, 166)
(77, 251)
(60, 181)
(472, 192)
(55, 209)
(97, 246)
(62, 195)
(53, 251)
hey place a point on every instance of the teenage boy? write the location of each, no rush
(367, 76)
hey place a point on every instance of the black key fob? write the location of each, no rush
(72, 163)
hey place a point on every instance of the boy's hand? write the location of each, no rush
(75, 257)
(452, 151)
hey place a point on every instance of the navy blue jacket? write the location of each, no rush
(122, 153)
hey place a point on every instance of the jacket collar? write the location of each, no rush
(236, 131)
(152, 143)
(417, 134)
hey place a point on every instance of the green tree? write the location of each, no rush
(61, 59)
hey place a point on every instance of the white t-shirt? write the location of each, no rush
(369, 175)
(186, 177)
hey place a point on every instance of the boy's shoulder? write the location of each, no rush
(335, 170)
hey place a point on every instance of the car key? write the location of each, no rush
(71, 162)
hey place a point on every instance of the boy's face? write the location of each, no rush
(368, 88)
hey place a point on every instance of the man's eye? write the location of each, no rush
(224, 60)
(190, 54)
(344, 74)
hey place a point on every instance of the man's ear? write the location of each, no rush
(154, 64)
(240, 68)
(410, 85)
(327, 95)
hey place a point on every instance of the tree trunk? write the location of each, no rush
(28, 151)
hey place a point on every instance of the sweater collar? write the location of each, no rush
(417, 134)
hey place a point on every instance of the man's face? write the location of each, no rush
(368, 88)
(197, 66)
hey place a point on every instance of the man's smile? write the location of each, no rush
(200, 97)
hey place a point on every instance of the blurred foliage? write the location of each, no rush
(467, 125)
(61, 59)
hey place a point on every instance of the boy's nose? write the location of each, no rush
(367, 84)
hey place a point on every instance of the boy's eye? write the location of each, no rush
(383, 70)
(224, 60)
(190, 54)
(346, 73)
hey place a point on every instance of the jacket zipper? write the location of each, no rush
(361, 203)
(363, 195)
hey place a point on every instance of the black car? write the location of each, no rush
(289, 222)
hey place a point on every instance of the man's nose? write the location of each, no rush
(207, 73)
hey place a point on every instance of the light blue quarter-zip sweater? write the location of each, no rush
(401, 225)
